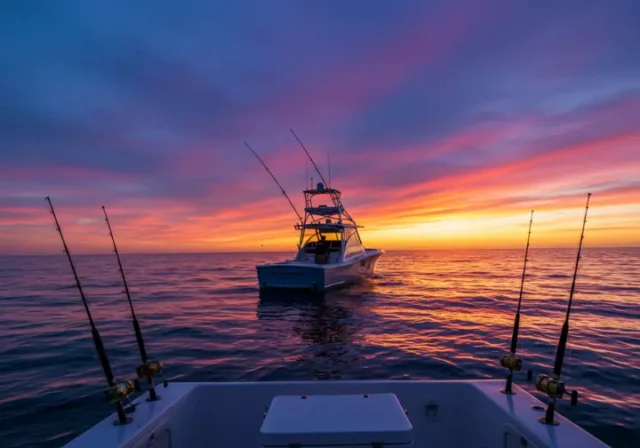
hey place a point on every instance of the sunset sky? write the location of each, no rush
(446, 121)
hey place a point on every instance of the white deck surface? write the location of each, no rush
(441, 413)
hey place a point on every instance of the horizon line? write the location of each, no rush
(286, 251)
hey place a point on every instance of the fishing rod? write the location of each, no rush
(116, 392)
(276, 180)
(329, 167)
(552, 386)
(148, 368)
(310, 158)
(511, 361)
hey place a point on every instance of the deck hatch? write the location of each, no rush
(336, 420)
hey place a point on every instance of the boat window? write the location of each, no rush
(354, 245)
(348, 233)
(335, 242)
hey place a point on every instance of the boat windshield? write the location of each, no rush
(333, 237)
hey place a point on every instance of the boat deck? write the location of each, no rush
(441, 414)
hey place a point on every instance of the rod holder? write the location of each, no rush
(117, 394)
(574, 397)
(555, 390)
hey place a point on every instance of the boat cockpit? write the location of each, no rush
(329, 244)
(321, 247)
(333, 246)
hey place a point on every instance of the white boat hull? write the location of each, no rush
(434, 414)
(317, 277)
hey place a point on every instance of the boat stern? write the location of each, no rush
(290, 276)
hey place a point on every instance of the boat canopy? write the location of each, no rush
(324, 210)
(315, 191)
(329, 227)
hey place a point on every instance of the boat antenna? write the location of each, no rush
(329, 166)
(148, 368)
(552, 386)
(511, 362)
(116, 392)
(275, 180)
(310, 158)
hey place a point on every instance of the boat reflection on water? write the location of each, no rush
(324, 327)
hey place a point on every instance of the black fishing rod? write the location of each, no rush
(511, 362)
(310, 158)
(552, 386)
(275, 180)
(148, 368)
(116, 392)
(329, 167)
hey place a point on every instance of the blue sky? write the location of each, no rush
(144, 107)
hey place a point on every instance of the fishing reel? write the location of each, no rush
(513, 364)
(555, 389)
(148, 370)
(121, 392)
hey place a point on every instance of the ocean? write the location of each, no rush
(426, 314)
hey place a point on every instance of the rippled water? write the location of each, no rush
(427, 315)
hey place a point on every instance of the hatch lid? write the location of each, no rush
(331, 420)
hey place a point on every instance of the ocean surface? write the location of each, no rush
(431, 314)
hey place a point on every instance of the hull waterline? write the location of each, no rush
(317, 277)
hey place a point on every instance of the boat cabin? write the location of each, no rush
(329, 243)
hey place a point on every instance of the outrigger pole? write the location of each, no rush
(116, 392)
(275, 180)
(310, 158)
(511, 362)
(329, 167)
(148, 368)
(552, 386)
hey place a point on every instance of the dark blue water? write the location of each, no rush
(427, 315)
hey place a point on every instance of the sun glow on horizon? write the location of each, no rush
(607, 226)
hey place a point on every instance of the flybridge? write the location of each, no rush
(333, 214)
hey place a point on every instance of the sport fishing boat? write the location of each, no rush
(424, 413)
(330, 250)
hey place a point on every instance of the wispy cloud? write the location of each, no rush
(447, 121)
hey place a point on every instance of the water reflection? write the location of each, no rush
(438, 315)
(325, 324)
